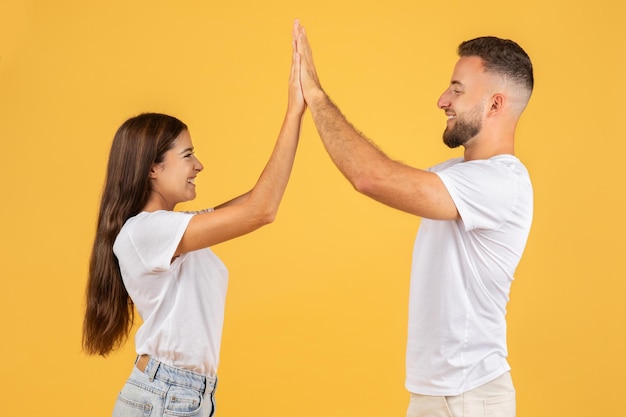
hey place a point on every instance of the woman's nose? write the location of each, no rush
(198, 166)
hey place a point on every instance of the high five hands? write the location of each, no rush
(309, 81)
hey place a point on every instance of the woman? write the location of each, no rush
(149, 255)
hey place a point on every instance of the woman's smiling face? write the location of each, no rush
(173, 180)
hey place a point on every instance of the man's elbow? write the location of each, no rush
(365, 184)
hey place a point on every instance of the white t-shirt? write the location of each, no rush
(461, 277)
(180, 301)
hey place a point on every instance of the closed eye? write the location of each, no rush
(457, 87)
(187, 152)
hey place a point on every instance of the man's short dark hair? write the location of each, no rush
(501, 56)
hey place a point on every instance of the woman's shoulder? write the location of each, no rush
(155, 224)
(159, 216)
(152, 235)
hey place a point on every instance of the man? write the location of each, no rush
(476, 211)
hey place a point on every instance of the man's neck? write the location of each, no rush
(489, 144)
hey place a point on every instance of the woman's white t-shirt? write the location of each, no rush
(181, 301)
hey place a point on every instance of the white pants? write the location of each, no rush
(493, 399)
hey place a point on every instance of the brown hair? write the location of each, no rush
(503, 57)
(139, 143)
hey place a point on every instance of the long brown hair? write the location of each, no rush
(139, 143)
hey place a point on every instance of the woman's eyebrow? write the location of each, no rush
(185, 151)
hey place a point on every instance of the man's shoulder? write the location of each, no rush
(445, 164)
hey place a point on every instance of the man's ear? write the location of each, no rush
(497, 104)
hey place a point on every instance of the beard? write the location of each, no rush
(464, 129)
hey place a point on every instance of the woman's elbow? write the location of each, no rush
(269, 217)
(265, 216)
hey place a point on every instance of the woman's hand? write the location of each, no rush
(296, 103)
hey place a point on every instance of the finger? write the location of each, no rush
(303, 47)
(296, 28)
(295, 60)
(303, 43)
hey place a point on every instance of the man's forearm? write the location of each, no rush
(349, 149)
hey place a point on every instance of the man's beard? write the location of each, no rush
(465, 128)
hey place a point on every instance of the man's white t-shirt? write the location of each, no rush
(461, 277)
(181, 301)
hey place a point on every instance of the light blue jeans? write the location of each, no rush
(163, 390)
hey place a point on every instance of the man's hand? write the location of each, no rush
(309, 81)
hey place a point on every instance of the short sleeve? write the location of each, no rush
(484, 192)
(153, 237)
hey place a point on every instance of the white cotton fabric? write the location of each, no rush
(461, 277)
(180, 301)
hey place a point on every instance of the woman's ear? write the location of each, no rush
(154, 170)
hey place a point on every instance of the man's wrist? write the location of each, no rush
(316, 98)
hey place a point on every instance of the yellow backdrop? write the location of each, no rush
(316, 312)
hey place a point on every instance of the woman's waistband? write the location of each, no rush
(173, 375)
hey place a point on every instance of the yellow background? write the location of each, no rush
(316, 313)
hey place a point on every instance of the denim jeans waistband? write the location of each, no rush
(177, 376)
